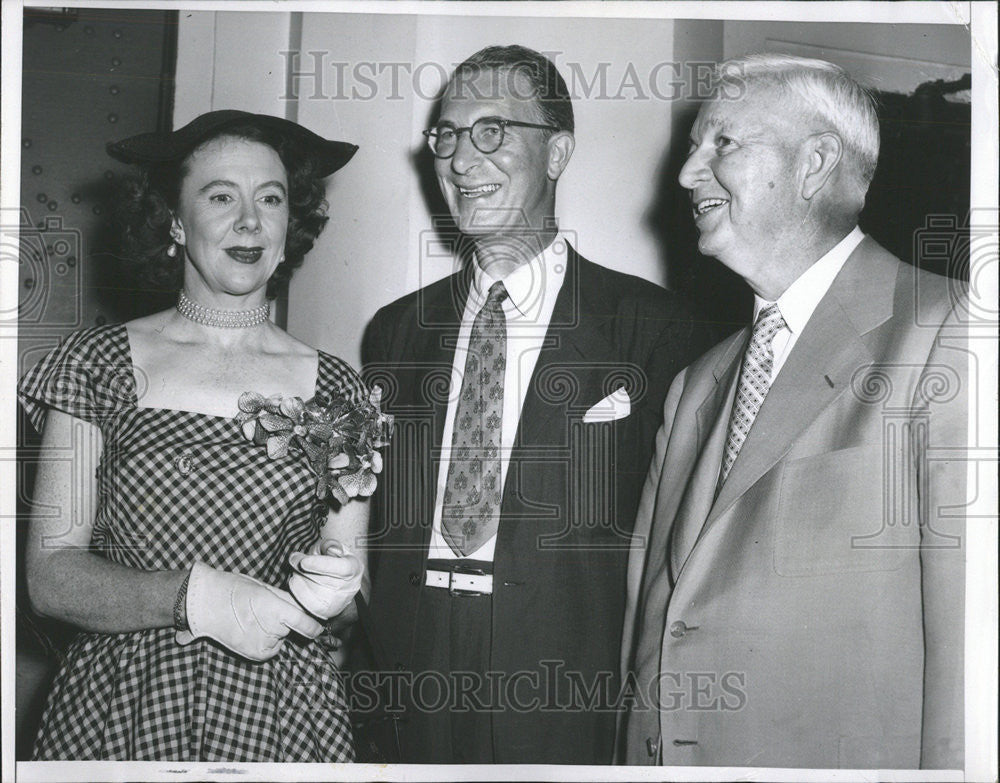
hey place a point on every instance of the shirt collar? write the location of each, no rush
(800, 299)
(531, 287)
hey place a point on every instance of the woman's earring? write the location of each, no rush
(175, 241)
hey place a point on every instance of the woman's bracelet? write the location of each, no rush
(180, 605)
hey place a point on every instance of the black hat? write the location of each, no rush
(149, 148)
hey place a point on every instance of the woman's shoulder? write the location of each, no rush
(109, 341)
(87, 375)
(335, 377)
(338, 378)
(90, 350)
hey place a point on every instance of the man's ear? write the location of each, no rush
(824, 152)
(561, 146)
(177, 231)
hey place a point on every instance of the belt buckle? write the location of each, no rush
(469, 571)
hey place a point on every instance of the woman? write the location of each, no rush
(195, 563)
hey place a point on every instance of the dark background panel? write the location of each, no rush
(90, 76)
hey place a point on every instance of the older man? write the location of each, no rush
(527, 391)
(796, 592)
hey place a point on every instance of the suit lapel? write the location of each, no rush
(575, 357)
(818, 370)
(676, 521)
(438, 319)
(571, 341)
(574, 331)
(713, 419)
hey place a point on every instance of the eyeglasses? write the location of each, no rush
(486, 134)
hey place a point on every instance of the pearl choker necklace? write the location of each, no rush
(230, 319)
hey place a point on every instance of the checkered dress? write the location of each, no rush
(176, 486)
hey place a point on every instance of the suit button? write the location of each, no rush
(414, 578)
(652, 745)
(678, 629)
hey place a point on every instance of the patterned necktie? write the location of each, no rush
(471, 509)
(755, 380)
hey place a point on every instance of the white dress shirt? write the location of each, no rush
(800, 299)
(532, 289)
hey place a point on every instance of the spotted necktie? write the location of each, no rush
(471, 509)
(755, 380)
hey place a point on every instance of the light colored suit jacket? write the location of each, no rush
(811, 615)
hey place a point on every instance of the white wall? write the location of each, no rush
(363, 258)
(891, 57)
(230, 60)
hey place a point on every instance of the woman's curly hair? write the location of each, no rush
(146, 206)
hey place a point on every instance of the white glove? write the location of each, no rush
(325, 584)
(249, 617)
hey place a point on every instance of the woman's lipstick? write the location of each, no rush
(245, 255)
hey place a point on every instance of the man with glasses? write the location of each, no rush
(527, 389)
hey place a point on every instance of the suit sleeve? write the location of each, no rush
(640, 542)
(644, 516)
(374, 346)
(942, 463)
(375, 353)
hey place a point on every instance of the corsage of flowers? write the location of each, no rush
(338, 437)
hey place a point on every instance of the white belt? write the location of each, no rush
(460, 583)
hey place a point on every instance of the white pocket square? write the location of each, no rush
(616, 405)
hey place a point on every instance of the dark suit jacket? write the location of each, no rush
(569, 498)
(811, 615)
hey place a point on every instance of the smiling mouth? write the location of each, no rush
(706, 205)
(245, 255)
(480, 190)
